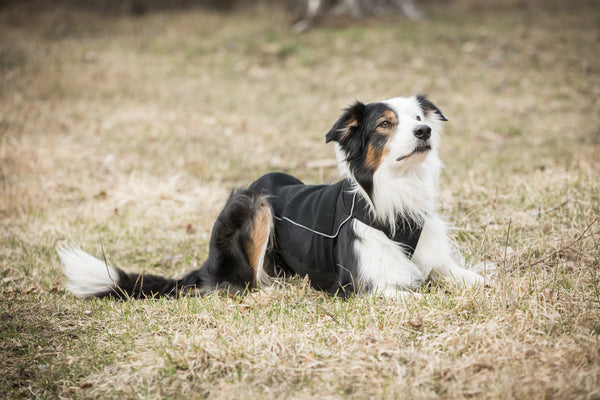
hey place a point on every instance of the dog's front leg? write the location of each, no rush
(434, 256)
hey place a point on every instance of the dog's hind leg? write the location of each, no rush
(261, 238)
(239, 244)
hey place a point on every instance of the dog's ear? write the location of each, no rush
(427, 106)
(350, 120)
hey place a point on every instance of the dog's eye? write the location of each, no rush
(418, 118)
(385, 124)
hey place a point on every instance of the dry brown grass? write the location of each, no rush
(133, 131)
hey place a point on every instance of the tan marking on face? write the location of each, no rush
(375, 156)
(259, 236)
(390, 117)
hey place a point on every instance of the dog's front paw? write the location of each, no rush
(465, 277)
(486, 270)
(392, 291)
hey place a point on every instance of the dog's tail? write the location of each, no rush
(237, 259)
(87, 276)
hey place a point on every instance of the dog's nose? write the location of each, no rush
(422, 132)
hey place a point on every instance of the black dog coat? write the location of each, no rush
(309, 218)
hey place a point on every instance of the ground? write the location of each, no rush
(130, 131)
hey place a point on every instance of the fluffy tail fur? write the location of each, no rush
(87, 276)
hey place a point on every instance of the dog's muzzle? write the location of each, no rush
(423, 133)
(422, 147)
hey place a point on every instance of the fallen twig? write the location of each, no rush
(563, 248)
(330, 315)
(539, 213)
(108, 271)
(506, 245)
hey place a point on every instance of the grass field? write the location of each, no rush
(132, 130)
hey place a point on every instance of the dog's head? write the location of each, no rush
(394, 135)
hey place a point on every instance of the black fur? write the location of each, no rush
(427, 106)
(354, 131)
(227, 267)
(133, 285)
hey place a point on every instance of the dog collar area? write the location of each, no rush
(407, 230)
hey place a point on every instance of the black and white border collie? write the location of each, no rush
(376, 231)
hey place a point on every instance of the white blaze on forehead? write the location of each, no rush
(408, 109)
(405, 106)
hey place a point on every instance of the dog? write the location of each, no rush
(375, 231)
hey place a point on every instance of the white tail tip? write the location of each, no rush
(86, 275)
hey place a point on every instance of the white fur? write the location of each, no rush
(435, 256)
(86, 275)
(406, 191)
(414, 179)
(384, 267)
(407, 187)
(343, 168)
(382, 264)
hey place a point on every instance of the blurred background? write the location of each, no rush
(102, 98)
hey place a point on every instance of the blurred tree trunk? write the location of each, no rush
(310, 12)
